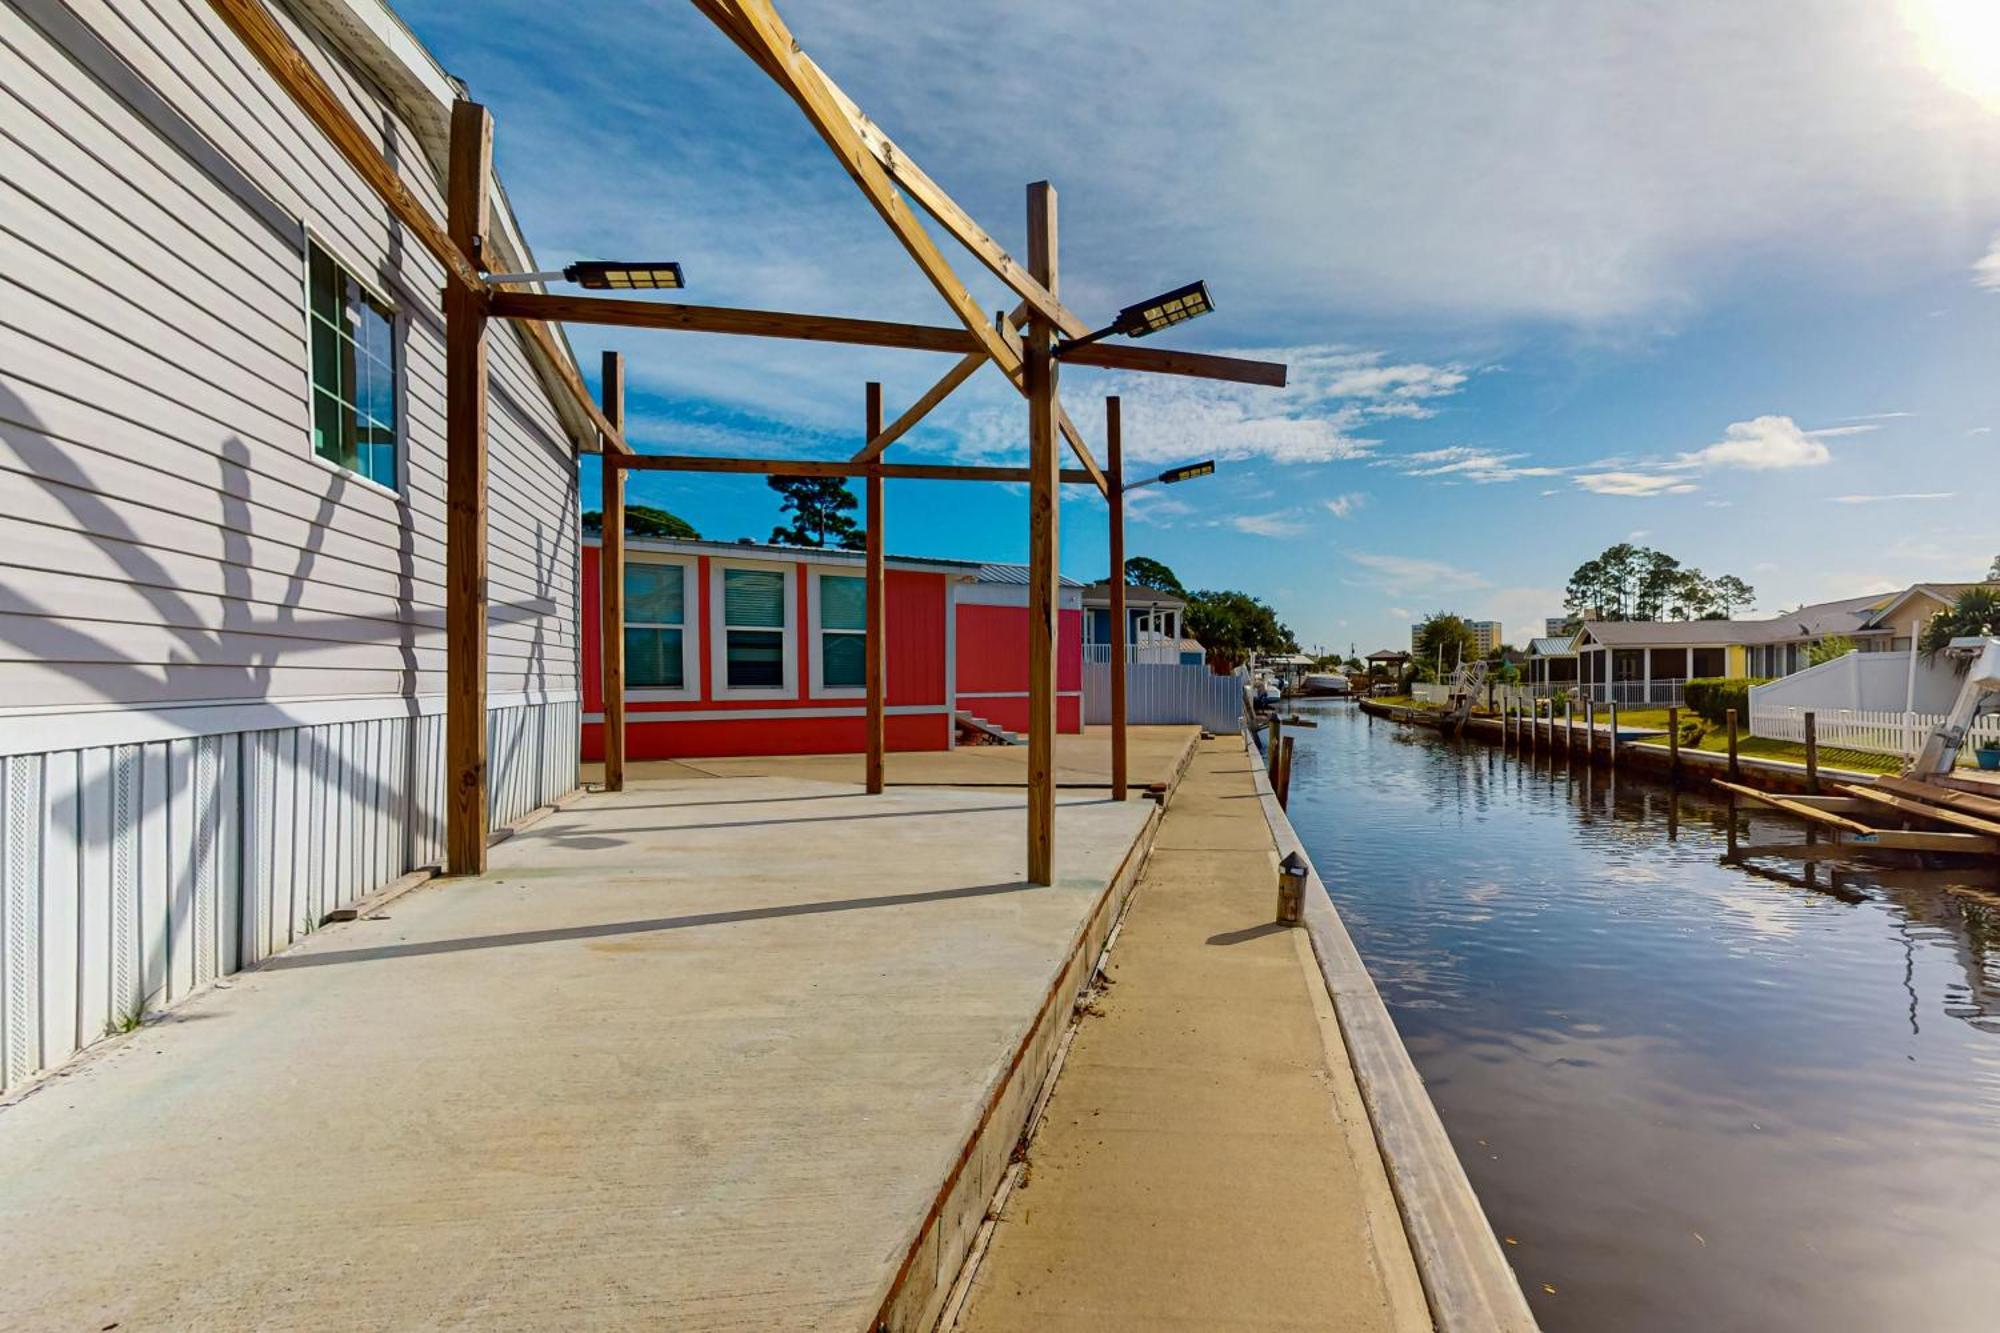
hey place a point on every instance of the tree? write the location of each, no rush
(1993, 571)
(1976, 614)
(1446, 638)
(1732, 594)
(1232, 625)
(1146, 572)
(645, 521)
(819, 507)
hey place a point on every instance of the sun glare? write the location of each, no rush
(1960, 40)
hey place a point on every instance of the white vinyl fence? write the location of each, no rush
(1165, 695)
(1870, 731)
(1430, 694)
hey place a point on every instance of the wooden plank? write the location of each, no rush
(465, 502)
(877, 609)
(1950, 797)
(827, 467)
(611, 596)
(253, 25)
(1924, 810)
(1160, 361)
(920, 409)
(1791, 807)
(625, 312)
(1044, 461)
(1114, 459)
(1082, 451)
(755, 24)
(940, 205)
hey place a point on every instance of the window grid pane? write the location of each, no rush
(653, 658)
(655, 594)
(843, 661)
(753, 598)
(756, 659)
(843, 602)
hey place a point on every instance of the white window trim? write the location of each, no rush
(399, 322)
(815, 657)
(691, 613)
(718, 613)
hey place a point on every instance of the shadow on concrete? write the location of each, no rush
(557, 935)
(1248, 933)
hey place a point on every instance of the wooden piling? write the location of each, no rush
(1285, 774)
(1276, 743)
(1569, 728)
(1674, 745)
(1735, 771)
(1611, 729)
(1044, 549)
(1590, 730)
(1812, 753)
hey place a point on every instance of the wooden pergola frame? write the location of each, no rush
(1022, 343)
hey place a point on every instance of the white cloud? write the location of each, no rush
(1401, 612)
(1634, 483)
(1980, 430)
(1767, 442)
(1463, 461)
(1155, 507)
(1986, 272)
(1898, 495)
(1340, 506)
(1280, 524)
(1402, 573)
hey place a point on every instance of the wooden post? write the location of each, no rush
(466, 193)
(1044, 491)
(1114, 472)
(1285, 776)
(1277, 743)
(1735, 773)
(1674, 744)
(1812, 753)
(1569, 729)
(877, 613)
(1732, 805)
(1590, 730)
(1612, 728)
(611, 582)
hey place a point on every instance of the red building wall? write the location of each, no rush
(993, 665)
(800, 723)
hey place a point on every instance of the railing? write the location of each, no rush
(1152, 652)
(1656, 693)
(1867, 730)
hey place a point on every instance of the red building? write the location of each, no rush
(742, 649)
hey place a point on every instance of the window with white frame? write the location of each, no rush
(754, 623)
(656, 639)
(843, 632)
(354, 372)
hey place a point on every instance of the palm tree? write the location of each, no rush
(1976, 614)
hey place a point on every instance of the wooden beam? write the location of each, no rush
(611, 587)
(755, 25)
(877, 615)
(1044, 615)
(1924, 810)
(932, 396)
(933, 199)
(1082, 451)
(1808, 813)
(1160, 361)
(822, 467)
(634, 314)
(252, 23)
(468, 195)
(1114, 471)
(1933, 794)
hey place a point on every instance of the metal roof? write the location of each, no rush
(1562, 647)
(1017, 574)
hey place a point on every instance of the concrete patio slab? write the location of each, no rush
(700, 1055)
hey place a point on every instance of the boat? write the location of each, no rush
(1324, 684)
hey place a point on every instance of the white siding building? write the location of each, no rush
(222, 510)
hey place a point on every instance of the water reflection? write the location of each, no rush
(1695, 1093)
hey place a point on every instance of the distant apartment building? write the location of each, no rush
(1486, 634)
(1555, 627)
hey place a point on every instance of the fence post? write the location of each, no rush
(1674, 744)
(1614, 734)
(1812, 753)
(1735, 772)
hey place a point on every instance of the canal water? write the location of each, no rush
(1691, 1095)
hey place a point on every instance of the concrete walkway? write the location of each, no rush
(1205, 1161)
(696, 1056)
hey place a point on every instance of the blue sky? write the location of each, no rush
(1550, 274)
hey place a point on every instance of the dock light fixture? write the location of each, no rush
(601, 275)
(1149, 317)
(1174, 475)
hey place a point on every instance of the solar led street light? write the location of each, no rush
(602, 275)
(1173, 475)
(1149, 317)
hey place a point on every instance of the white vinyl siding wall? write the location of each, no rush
(168, 539)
